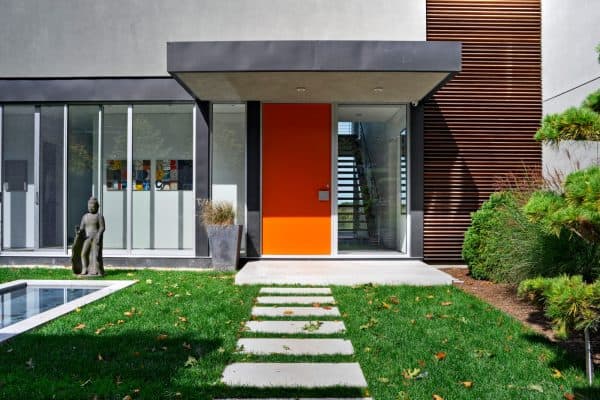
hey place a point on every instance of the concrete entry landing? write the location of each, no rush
(341, 272)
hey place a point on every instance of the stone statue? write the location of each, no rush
(87, 247)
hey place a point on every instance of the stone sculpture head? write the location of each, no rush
(93, 205)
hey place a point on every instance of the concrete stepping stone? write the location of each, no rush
(294, 375)
(284, 290)
(296, 327)
(295, 300)
(295, 312)
(312, 347)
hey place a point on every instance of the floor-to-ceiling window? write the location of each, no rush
(18, 177)
(137, 159)
(229, 159)
(162, 171)
(114, 175)
(372, 178)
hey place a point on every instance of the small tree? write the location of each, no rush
(571, 303)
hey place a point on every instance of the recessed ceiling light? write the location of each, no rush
(301, 89)
(378, 89)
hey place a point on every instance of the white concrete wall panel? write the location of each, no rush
(570, 33)
(84, 38)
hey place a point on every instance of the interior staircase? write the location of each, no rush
(353, 193)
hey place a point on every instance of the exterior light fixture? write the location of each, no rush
(378, 89)
(301, 89)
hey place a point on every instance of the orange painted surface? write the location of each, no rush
(296, 164)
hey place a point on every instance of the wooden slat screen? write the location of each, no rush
(480, 125)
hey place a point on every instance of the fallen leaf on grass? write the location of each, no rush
(288, 312)
(569, 396)
(556, 374)
(383, 379)
(481, 353)
(79, 327)
(467, 384)
(128, 314)
(162, 336)
(385, 305)
(78, 309)
(446, 303)
(440, 355)
(429, 316)
(221, 350)
(411, 373)
(99, 330)
(182, 319)
(191, 361)
(393, 300)
(100, 358)
(437, 397)
(370, 323)
(421, 363)
(120, 321)
(187, 346)
(127, 397)
(536, 388)
(30, 364)
(86, 382)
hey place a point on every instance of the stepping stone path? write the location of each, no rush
(281, 303)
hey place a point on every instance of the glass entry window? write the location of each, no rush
(372, 178)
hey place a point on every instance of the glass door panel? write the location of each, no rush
(162, 172)
(114, 175)
(18, 180)
(51, 226)
(372, 178)
(82, 161)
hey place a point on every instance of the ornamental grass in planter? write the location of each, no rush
(224, 236)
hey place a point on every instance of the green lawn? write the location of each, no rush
(172, 334)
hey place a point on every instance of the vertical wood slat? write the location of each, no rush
(480, 125)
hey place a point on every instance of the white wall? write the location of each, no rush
(570, 33)
(128, 38)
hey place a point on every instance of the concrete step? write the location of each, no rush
(296, 347)
(296, 327)
(294, 375)
(295, 300)
(303, 290)
(295, 312)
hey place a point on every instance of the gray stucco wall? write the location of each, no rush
(85, 38)
(570, 71)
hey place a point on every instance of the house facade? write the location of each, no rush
(337, 129)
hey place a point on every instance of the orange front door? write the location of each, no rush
(296, 140)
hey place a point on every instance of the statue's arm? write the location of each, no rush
(82, 223)
(101, 226)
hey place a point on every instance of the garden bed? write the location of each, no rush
(504, 297)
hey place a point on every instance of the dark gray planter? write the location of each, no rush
(224, 244)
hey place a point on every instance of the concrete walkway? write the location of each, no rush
(341, 272)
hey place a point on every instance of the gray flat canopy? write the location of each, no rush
(313, 71)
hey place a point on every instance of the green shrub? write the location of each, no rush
(504, 245)
(571, 124)
(592, 102)
(568, 301)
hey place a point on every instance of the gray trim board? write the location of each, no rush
(417, 159)
(92, 89)
(316, 55)
(203, 169)
(253, 218)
